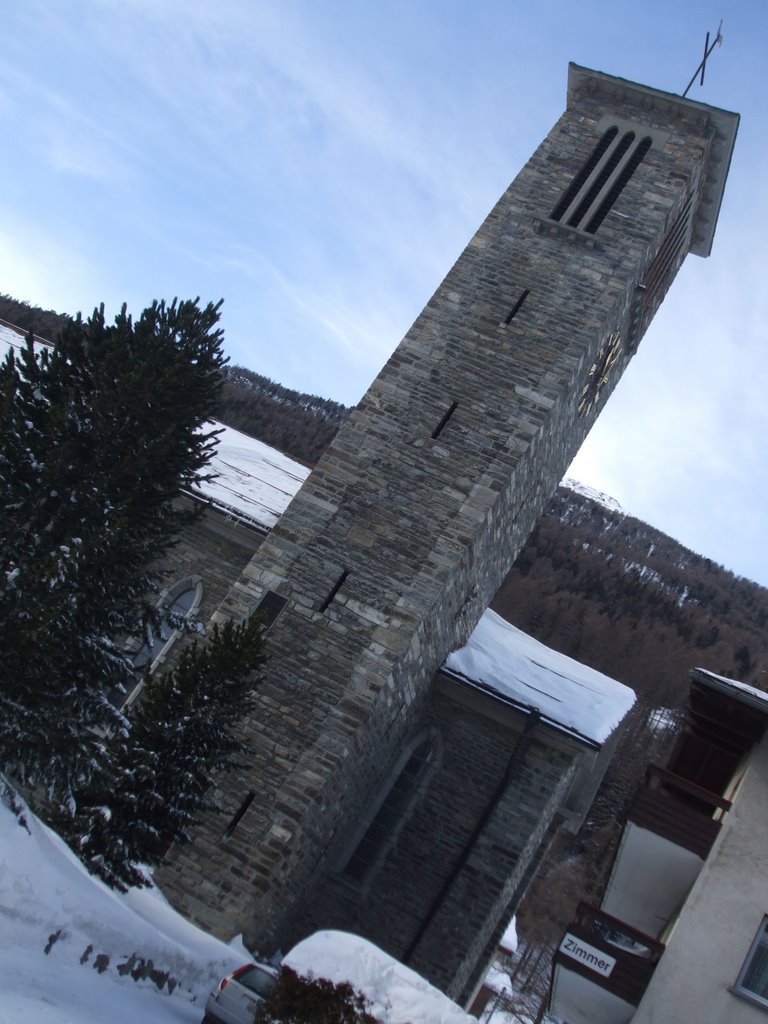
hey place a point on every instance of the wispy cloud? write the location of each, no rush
(322, 165)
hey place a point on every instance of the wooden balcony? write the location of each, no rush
(671, 826)
(678, 810)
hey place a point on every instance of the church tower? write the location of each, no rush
(398, 540)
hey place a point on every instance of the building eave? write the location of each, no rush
(748, 696)
(494, 698)
(719, 125)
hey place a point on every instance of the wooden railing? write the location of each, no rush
(678, 810)
(630, 955)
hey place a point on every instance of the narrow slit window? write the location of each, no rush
(238, 815)
(269, 607)
(517, 306)
(579, 181)
(444, 421)
(334, 590)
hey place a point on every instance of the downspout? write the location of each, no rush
(516, 759)
(512, 905)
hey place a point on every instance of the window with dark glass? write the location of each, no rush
(175, 613)
(269, 608)
(753, 978)
(392, 810)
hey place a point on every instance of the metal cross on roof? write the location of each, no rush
(707, 51)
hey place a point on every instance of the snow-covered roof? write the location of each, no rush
(570, 696)
(397, 994)
(254, 482)
(10, 337)
(497, 980)
(741, 692)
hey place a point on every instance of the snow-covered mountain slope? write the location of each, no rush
(597, 496)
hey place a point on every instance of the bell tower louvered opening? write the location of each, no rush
(591, 195)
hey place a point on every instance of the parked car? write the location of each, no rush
(234, 999)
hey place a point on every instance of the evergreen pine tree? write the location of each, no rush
(181, 732)
(97, 436)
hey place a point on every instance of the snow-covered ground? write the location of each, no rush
(69, 948)
(66, 940)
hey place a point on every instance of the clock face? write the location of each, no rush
(599, 372)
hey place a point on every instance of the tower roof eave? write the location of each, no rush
(723, 125)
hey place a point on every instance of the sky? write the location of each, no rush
(320, 164)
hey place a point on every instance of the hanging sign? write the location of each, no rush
(589, 956)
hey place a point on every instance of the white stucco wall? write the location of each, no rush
(719, 921)
(638, 893)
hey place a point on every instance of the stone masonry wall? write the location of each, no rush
(215, 549)
(425, 526)
(397, 896)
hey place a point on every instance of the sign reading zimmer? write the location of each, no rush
(588, 955)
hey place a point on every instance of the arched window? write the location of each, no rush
(391, 809)
(176, 608)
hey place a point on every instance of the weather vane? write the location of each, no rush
(707, 50)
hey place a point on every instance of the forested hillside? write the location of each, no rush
(300, 425)
(610, 590)
(45, 323)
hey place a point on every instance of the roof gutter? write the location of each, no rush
(524, 709)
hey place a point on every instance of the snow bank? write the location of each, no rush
(254, 482)
(66, 939)
(568, 694)
(67, 944)
(398, 995)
